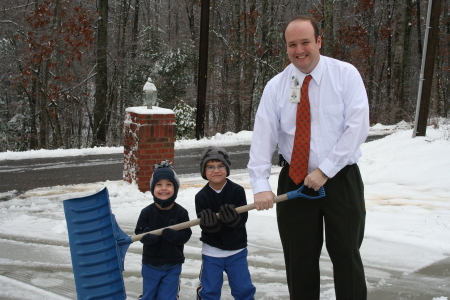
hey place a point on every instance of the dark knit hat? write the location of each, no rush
(164, 171)
(214, 153)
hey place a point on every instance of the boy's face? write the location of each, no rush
(164, 189)
(216, 172)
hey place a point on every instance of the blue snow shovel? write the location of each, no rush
(98, 245)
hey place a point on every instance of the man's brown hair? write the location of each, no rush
(303, 18)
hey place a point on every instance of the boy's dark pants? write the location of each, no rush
(300, 223)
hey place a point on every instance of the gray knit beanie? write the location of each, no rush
(214, 153)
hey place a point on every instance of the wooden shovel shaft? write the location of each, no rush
(184, 225)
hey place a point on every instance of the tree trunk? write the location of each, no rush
(389, 102)
(135, 30)
(328, 33)
(401, 55)
(250, 67)
(54, 119)
(236, 76)
(191, 18)
(118, 86)
(34, 141)
(428, 74)
(404, 101)
(436, 112)
(419, 31)
(101, 80)
(202, 70)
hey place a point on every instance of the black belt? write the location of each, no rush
(281, 161)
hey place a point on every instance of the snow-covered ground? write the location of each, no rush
(406, 250)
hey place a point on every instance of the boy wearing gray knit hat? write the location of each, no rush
(224, 240)
(217, 154)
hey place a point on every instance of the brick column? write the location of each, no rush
(149, 138)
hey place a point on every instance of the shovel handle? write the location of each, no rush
(241, 209)
(179, 226)
(194, 222)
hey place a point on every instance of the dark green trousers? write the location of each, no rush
(301, 223)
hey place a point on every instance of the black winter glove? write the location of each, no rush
(171, 235)
(209, 221)
(150, 239)
(229, 215)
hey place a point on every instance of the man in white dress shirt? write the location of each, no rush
(339, 125)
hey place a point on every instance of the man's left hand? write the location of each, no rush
(315, 180)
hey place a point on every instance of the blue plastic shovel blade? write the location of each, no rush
(97, 259)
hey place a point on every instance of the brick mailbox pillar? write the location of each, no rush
(149, 138)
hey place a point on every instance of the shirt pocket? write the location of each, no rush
(334, 117)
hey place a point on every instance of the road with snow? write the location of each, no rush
(27, 174)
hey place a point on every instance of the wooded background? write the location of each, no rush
(69, 69)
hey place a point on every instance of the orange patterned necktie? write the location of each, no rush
(300, 154)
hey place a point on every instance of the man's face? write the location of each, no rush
(302, 47)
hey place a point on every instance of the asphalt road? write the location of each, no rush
(27, 174)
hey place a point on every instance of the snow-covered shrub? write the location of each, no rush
(185, 118)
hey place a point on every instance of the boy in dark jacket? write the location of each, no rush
(224, 241)
(162, 255)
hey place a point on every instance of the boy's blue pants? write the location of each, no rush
(160, 284)
(211, 277)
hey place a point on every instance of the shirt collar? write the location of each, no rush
(316, 73)
(218, 191)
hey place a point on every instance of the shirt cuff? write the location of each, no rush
(328, 168)
(261, 186)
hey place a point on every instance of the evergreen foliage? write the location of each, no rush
(185, 117)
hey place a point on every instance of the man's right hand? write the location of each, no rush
(264, 200)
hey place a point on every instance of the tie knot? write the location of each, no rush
(307, 80)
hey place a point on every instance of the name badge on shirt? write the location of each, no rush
(295, 91)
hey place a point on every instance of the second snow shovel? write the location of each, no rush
(98, 245)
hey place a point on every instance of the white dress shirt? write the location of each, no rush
(339, 120)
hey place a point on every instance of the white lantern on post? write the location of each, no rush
(150, 93)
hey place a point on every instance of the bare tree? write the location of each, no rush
(70, 68)
(100, 122)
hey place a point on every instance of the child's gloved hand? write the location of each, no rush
(150, 239)
(209, 221)
(170, 234)
(229, 215)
